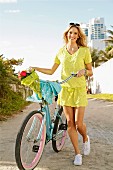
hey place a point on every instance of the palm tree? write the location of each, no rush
(104, 55)
(95, 58)
(95, 63)
(110, 41)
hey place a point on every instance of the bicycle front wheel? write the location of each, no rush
(28, 149)
(59, 131)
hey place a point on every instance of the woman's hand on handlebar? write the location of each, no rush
(32, 68)
(81, 72)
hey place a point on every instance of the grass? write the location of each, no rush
(108, 97)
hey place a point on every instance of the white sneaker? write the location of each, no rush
(78, 159)
(86, 147)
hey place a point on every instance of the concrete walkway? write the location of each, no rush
(99, 120)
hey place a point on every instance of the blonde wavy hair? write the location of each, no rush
(81, 41)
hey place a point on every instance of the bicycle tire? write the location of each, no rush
(60, 133)
(27, 150)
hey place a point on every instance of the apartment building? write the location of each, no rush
(95, 31)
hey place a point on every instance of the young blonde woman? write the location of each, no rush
(75, 57)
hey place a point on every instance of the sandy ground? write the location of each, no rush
(99, 120)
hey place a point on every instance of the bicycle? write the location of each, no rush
(37, 130)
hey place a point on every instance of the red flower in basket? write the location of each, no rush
(23, 74)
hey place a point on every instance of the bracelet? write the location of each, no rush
(85, 73)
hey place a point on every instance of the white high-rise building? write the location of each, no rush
(95, 32)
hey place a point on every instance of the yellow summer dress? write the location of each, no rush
(73, 92)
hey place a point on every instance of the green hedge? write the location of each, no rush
(11, 103)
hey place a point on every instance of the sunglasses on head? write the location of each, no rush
(74, 24)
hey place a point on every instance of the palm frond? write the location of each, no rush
(109, 41)
(110, 37)
(110, 52)
(110, 32)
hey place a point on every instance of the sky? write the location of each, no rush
(33, 29)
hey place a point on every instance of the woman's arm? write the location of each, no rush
(46, 70)
(88, 71)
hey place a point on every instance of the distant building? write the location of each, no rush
(85, 28)
(95, 31)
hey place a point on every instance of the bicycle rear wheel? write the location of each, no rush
(59, 131)
(28, 150)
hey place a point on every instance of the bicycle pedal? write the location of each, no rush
(63, 126)
(35, 148)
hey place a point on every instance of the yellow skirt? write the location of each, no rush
(74, 97)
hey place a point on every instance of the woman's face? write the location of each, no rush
(72, 34)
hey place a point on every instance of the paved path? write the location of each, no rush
(99, 120)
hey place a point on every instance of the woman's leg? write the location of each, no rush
(81, 127)
(79, 115)
(70, 116)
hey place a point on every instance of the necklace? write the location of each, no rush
(72, 50)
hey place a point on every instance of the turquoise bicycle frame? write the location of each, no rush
(49, 122)
(46, 120)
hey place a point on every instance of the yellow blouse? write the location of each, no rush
(73, 63)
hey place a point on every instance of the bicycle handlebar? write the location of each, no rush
(48, 97)
(72, 75)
